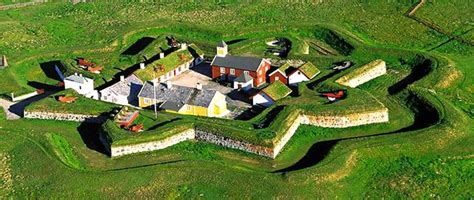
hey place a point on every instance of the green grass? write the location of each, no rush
(277, 90)
(434, 162)
(64, 151)
(82, 105)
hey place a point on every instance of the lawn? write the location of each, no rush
(425, 151)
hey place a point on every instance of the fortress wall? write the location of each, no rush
(65, 117)
(371, 72)
(278, 146)
(344, 121)
(152, 146)
(234, 144)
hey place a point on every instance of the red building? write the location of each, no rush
(229, 67)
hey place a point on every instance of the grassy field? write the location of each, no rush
(421, 159)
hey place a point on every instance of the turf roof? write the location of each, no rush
(169, 62)
(277, 90)
(309, 70)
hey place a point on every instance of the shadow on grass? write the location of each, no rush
(90, 134)
(138, 46)
(425, 116)
(49, 69)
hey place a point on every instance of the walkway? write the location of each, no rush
(15, 110)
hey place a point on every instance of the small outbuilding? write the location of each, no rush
(81, 85)
(243, 82)
(272, 93)
(292, 75)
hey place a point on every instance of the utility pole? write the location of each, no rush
(154, 91)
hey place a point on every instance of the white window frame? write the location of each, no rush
(277, 78)
(222, 70)
(246, 72)
(260, 79)
(232, 71)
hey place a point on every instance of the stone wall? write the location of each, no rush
(364, 74)
(151, 146)
(234, 144)
(65, 117)
(344, 121)
(278, 146)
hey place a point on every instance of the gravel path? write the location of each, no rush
(6, 107)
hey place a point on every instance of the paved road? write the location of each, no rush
(15, 110)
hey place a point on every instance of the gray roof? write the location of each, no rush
(78, 79)
(221, 44)
(243, 78)
(171, 105)
(126, 87)
(238, 62)
(176, 93)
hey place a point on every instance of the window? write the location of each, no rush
(80, 87)
(260, 79)
(222, 70)
(260, 72)
(188, 107)
(232, 71)
(147, 101)
(277, 78)
(246, 72)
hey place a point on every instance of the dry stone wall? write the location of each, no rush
(234, 144)
(151, 146)
(368, 72)
(342, 121)
(65, 117)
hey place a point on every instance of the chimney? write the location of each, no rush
(80, 75)
(184, 46)
(162, 55)
(75, 73)
(142, 65)
(169, 85)
(198, 86)
(122, 78)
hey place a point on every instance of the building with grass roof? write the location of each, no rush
(172, 64)
(292, 74)
(270, 94)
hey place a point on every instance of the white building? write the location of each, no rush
(81, 85)
(124, 92)
(262, 99)
(270, 94)
(297, 77)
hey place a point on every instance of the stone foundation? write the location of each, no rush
(65, 117)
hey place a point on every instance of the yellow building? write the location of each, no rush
(183, 100)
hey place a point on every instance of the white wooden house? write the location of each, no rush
(124, 92)
(81, 85)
